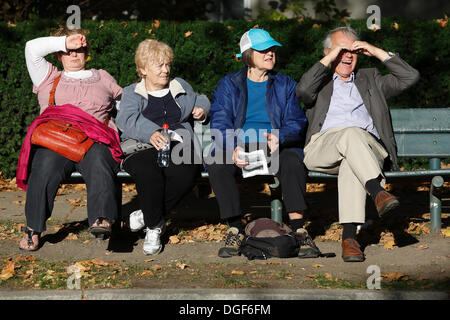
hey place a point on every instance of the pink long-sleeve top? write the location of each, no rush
(92, 90)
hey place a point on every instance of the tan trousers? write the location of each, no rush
(356, 157)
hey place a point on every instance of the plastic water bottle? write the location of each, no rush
(164, 153)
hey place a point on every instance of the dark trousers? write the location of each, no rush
(49, 169)
(159, 189)
(291, 173)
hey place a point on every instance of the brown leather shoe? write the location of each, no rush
(384, 201)
(351, 251)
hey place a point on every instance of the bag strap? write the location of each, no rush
(51, 100)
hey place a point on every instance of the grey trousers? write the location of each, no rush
(49, 169)
(356, 157)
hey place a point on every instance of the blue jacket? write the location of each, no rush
(229, 104)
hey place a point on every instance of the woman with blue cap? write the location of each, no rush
(256, 106)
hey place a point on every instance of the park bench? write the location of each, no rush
(420, 133)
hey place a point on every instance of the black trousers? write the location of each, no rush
(291, 173)
(49, 169)
(159, 189)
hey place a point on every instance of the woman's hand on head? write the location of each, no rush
(75, 41)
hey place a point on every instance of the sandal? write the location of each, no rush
(99, 230)
(31, 246)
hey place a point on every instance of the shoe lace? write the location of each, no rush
(152, 234)
(231, 239)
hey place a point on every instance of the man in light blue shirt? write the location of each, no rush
(350, 130)
(347, 108)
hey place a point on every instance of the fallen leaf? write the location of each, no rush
(148, 260)
(394, 276)
(316, 265)
(446, 232)
(8, 271)
(99, 262)
(174, 240)
(25, 258)
(21, 202)
(157, 267)
(188, 34)
(182, 266)
(389, 245)
(328, 276)
(71, 236)
(238, 272)
(421, 247)
(147, 272)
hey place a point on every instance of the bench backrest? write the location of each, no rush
(422, 132)
(418, 132)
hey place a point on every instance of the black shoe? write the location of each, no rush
(232, 244)
(308, 248)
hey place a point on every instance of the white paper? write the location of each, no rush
(257, 163)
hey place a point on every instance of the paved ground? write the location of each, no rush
(416, 257)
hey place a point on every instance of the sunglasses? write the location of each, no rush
(79, 50)
(271, 49)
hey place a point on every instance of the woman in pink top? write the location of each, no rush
(94, 92)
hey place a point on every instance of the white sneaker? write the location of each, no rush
(136, 221)
(152, 242)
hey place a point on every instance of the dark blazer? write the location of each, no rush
(316, 86)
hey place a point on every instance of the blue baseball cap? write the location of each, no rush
(257, 39)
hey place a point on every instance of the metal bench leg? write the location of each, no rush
(435, 202)
(275, 203)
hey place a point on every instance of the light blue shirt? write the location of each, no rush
(347, 108)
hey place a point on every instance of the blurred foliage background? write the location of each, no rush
(205, 52)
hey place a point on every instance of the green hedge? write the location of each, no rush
(206, 55)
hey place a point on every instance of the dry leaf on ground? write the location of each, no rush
(8, 271)
(182, 266)
(394, 276)
(237, 272)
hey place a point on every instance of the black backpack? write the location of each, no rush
(284, 246)
(265, 238)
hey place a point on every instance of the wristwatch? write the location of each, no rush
(390, 55)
